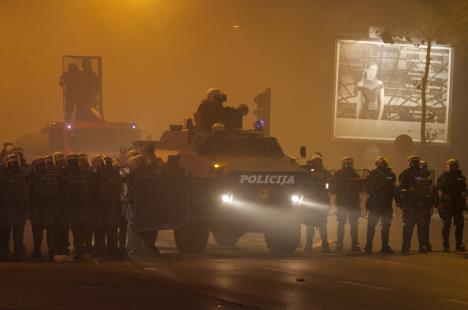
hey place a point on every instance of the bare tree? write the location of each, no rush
(426, 22)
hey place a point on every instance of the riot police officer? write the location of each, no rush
(59, 160)
(430, 202)
(61, 217)
(347, 186)
(211, 110)
(84, 163)
(108, 207)
(19, 153)
(316, 216)
(14, 185)
(45, 201)
(76, 185)
(412, 195)
(89, 233)
(140, 170)
(452, 190)
(380, 187)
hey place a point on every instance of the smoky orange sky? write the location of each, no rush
(160, 56)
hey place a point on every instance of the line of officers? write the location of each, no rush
(417, 193)
(59, 194)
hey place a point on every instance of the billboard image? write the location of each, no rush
(378, 91)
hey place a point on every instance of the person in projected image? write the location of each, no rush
(370, 93)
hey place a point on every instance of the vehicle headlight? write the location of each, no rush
(227, 199)
(296, 199)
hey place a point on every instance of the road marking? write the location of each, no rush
(460, 302)
(375, 260)
(364, 285)
(133, 268)
(151, 269)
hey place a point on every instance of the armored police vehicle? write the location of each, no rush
(225, 180)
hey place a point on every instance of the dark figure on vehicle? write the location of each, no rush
(81, 91)
(413, 192)
(316, 216)
(347, 186)
(452, 190)
(211, 110)
(380, 187)
(89, 91)
(70, 81)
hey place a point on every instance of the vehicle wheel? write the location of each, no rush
(284, 240)
(227, 239)
(192, 238)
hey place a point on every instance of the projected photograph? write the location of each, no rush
(378, 91)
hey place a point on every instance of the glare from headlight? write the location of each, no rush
(297, 199)
(227, 199)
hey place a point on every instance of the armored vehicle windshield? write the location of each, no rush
(239, 145)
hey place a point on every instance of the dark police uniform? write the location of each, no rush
(45, 202)
(209, 113)
(430, 202)
(108, 209)
(413, 194)
(14, 210)
(316, 217)
(452, 186)
(347, 186)
(380, 186)
(140, 241)
(76, 185)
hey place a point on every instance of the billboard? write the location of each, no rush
(378, 91)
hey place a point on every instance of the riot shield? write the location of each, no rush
(158, 202)
(202, 199)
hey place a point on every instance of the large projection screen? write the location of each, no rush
(378, 91)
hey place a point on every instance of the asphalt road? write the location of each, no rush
(245, 277)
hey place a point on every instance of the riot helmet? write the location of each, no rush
(414, 162)
(86, 64)
(73, 67)
(73, 161)
(49, 162)
(347, 163)
(19, 153)
(315, 160)
(107, 162)
(215, 95)
(12, 163)
(59, 159)
(381, 162)
(423, 164)
(133, 152)
(452, 164)
(96, 161)
(38, 164)
(83, 159)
